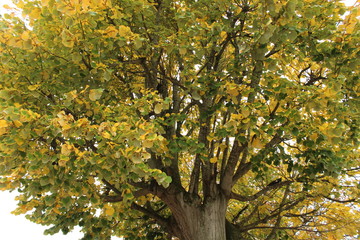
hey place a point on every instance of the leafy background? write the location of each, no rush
(17, 227)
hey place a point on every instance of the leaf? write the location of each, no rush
(138, 43)
(4, 94)
(148, 143)
(17, 123)
(125, 31)
(182, 51)
(33, 87)
(213, 160)
(256, 143)
(66, 149)
(111, 31)
(109, 210)
(3, 123)
(25, 35)
(106, 134)
(68, 38)
(66, 201)
(158, 108)
(95, 94)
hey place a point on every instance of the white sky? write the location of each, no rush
(18, 227)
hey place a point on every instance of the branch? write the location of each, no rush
(272, 52)
(267, 218)
(227, 177)
(145, 189)
(300, 215)
(275, 140)
(303, 70)
(151, 213)
(272, 234)
(119, 198)
(258, 194)
(340, 201)
(174, 81)
(112, 187)
(255, 79)
(236, 217)
(241, 171)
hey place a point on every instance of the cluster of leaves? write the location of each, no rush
(108, 107)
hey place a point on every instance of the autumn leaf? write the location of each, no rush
(95, 94)
(3, 123)
(109, 210)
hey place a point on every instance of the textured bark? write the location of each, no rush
(200, 221)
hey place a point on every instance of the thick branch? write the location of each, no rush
(242, 169)
(227, 177)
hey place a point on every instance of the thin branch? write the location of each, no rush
(258, 194)
(149, 212)
(276, 213)
(340, 201)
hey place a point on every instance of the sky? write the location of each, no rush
(18, 227)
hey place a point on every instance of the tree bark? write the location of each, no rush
(200, 221)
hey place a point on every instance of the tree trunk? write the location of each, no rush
(201, 221)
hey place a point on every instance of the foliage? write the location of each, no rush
(117, 114)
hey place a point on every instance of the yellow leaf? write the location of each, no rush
(3, 131)
(182, 51)
(158, 108)
(45, 2)
(95, 94)
(19, 141)
(67, 39)
(213, 160)
(232, 90)
(146, 155)
(125, 31)
(85, 4)
(80, 154)
(109, 210)
(223, 35)
(111, 31)
(35, 13)
(329, 93)
(314, 136)
(91, 180)
(62, 162)
(256, 143)
(3, 124)
(33, 87)
(148, 144)
(17, 123)
(81, 122)
(7, 7)
(25, 35)
(106, 134)
(66, 149)
(55, 210)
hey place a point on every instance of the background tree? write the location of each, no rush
(208, 119)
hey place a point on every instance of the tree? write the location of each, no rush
(208, 119)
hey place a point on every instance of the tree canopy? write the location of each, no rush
(195, 119)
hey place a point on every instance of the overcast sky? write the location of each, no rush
(18, 227)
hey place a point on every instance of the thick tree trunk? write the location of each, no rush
(201, 221)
